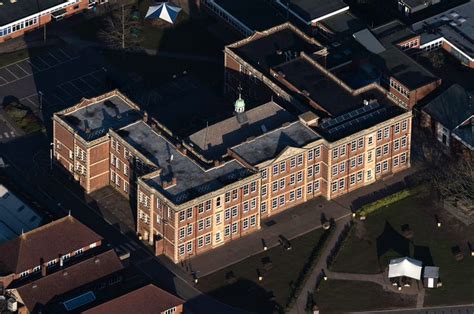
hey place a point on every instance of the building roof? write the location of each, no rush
(94, 117)
(149, 300)
(313, 10)
(394, 61)
(13, 11)
(271, 144)
(257, 15)
(431, 272)
(322, 89)
(214, 140)
(405, 267)
(274, 46)
(357, 120)
(45, 243)
(40, 292)
(455, 25)
(15, 216)
(452, 107)
(192, 180)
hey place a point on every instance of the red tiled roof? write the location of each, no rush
(43, 290)
(47, 242)
(146, 300)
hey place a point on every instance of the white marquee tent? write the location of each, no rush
(405, 267)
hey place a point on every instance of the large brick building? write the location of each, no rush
(19, 17)
(254, 63)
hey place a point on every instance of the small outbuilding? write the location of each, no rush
(431, 277)
(405, 267)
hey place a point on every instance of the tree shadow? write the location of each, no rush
(391, 240)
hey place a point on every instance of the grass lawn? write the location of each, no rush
(250, 294)
(336, 296)
(371, 244)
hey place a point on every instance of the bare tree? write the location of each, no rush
(121, 30)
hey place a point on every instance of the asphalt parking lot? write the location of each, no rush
(54, 80)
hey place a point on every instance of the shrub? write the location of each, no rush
(372, 207)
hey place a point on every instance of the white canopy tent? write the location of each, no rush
(405, 267)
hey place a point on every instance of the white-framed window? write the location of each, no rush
(299, 193)
(201, 225)
(317, 152)
(218, 236)
(274, 203)
(369, 156)
(309, 188)
(200, 208)
(281, 201)
(207, 239)
(342, 150)
(189, 230)
(253, 187)
(292, 196)
(264, 190)
(360, 143)
(200, 242)
(385, 149)
(353, 146)
(378, 152)
(227, 197)
(360, 176)
(310, 154)
(352, 179)
(385, 165)
(218, 219)
(189, 247)
(334, 186)
(404, 141)
(282, 183)
(245, 224)
(335, 153)
(395, 161)
(377, 168)
(171, 310)
(264, 174)
(208, 205)
(235, 227)
(292, 179)
(300, 160)
(370, 140)
(227, 231)
(360, 159)
(404, 125)
(317, 185)
(246, 189)
(246, 206)
(235, 194)
(181, 250)
(310, 171)
(283, 166)
(253, 203)
(299, 176)
(403, 158)
(189, 213)
(182, 215)
(292, 162)
(386, 132)
(342, 184)
(235, 211)
(275, 170)
(369, 174)
(335, 170)
(342, 167)
(126, 186)
(263, 207)
(379, 135)
(275, 186)
(397, 128)
(396, 144)
(316, 169)
(253, 220)
(24, 274)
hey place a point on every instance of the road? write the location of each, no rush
(59, 198)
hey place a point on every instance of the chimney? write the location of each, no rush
(145, 117)
(43, 267)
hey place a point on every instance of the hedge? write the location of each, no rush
(393, 198)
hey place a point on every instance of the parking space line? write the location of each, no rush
(34, 66)
(26, 72)
(65, 90)
(32, 102)
(47, 64)
(13, 63)
(52, 56)
(4, 80)
(60, 49)
(12, 73)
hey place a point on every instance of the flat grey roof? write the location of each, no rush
(258, 15)
(214, 140)
(11, 12)
(309, 10)
(191, 179)
(15, 216)
(322, 89)
(455, 25)
(95, 120)
(275, 48)
(271, 144)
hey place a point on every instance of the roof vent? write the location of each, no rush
(34, 286)
(366, 102)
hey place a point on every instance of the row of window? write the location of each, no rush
(341, 167)
(281, 184)
(246, 190)
(396, 161)
(282, 167)
(53, 262)
(281, 200)
(402, 90)
(357, 144)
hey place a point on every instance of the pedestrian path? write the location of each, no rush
(300, 304)
(129, 246)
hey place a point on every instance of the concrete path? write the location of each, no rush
(375, 278)
(300, 304)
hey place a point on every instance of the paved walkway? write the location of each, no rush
(300, 304)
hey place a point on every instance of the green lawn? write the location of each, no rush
(371, 244)
(337, 296)
(250, 294)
